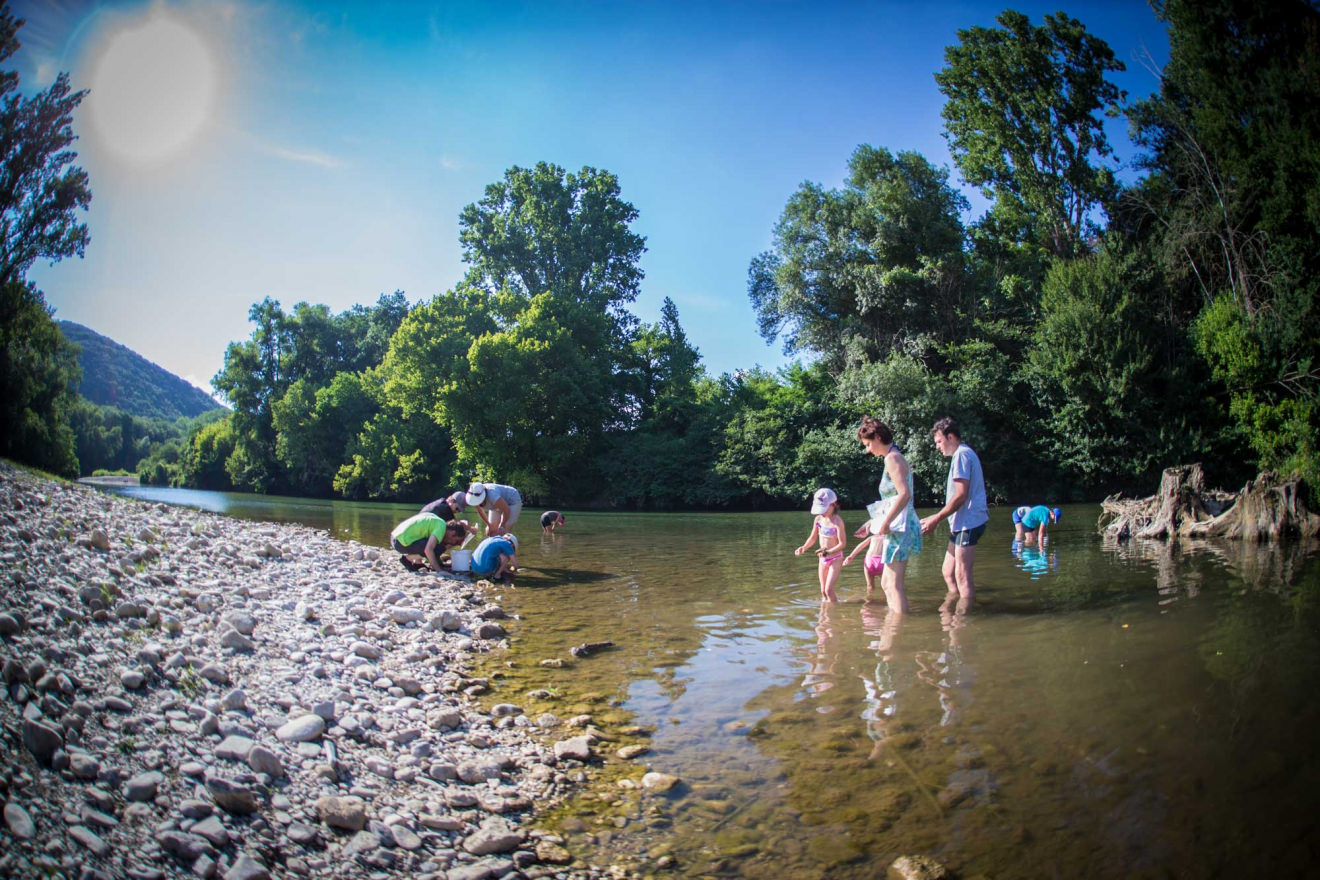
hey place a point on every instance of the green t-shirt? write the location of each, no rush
(415, 528)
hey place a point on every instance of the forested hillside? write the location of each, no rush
(113, 375)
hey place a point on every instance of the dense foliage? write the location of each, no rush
(1085, 334)
(41, 195)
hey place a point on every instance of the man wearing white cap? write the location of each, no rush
(497, 505)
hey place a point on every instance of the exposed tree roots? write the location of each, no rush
(1266, 509)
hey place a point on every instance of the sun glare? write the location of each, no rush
(152, 89)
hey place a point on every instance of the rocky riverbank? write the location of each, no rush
(191, 695)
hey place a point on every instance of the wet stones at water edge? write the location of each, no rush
(586, 649)
(917, 868)
(185, 695)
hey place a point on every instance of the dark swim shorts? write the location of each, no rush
(967, 537)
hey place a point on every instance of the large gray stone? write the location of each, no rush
(213, 830)
(143, 787)
(234, 748)
(247, 868)
(304, 728)
(366, 650)
(494, 836)
(41, 740)
(578, 748)
(263, 760)
(89, 839)
(184, 846)
(401, 614)
(348, 813)
(19, 822)
(230, 796)
(404, 838)
(242, 621)
(236, 641)
(84, 766)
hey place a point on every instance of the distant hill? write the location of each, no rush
(120, 377)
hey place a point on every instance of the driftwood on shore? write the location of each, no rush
(1267, 509)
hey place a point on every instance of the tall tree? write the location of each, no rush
(667, 368)
(542, 230)
(41, 190)
(555, 256)
(859, 271)
(255, 375)
(1232, 205)
(1023, 123)
(38, 374)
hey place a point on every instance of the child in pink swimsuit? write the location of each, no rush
(874, 565)
(829, 526)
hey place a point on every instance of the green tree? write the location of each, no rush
(543, 230)
(530, 400)
(858, 272)
(315, 427)
(1022, 121)
(41, 190)
(1117, 405)
(38, 374)
(1232, 208)
(41, 193)
(255, 374)
(204, 459)
(786, 436)
(666, 367)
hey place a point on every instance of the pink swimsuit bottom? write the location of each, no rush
(832, 559)
(874, 564)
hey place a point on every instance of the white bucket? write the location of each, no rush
(460, 560)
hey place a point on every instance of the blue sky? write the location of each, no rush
(324, 151)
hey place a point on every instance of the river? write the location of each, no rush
(1103, 711)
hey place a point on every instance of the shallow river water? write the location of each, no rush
(1102, 711)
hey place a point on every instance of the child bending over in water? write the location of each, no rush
(829, 526)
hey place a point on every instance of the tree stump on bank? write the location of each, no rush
(1267, 509)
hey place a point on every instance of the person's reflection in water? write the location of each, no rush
(881, 689)
(947, 672)
(826, 657)
(1035, 561)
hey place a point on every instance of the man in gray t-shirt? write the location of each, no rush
(965, 509)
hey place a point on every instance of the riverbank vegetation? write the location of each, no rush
(1086, 332)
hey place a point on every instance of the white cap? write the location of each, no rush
(476, 494)
(821, 501)
(512, 540)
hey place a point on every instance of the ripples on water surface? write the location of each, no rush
(1102, 712)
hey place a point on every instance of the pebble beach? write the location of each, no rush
(190, 695)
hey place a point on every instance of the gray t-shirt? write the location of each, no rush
(965, 465)
(497, 491)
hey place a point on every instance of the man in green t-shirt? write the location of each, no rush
(422, 537)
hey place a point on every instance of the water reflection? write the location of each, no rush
(1035, 561)
(825, 658)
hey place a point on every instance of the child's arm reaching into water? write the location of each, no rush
(815, 529)
(861, 545)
